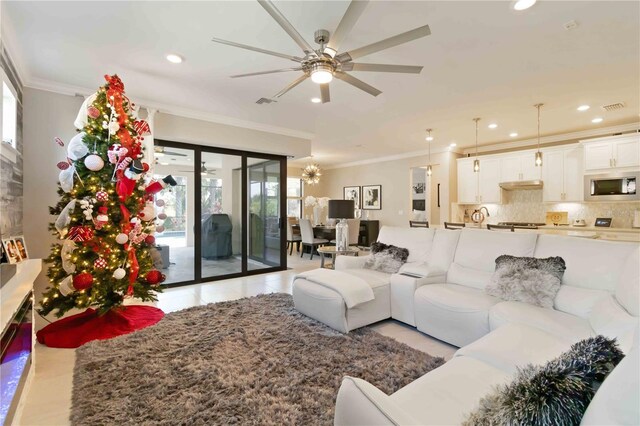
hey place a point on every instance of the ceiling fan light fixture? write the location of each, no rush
(329, 51)
(321, 73)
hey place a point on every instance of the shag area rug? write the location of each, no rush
(250, 361)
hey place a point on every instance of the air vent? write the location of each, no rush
(613, 107)
(264, 101)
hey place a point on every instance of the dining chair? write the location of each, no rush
(292, 238)
(509, 228)
(418, 224)
(454, 225)
(308, 239)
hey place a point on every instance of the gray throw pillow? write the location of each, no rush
(386, 258)
(527, 279)
(557, 393)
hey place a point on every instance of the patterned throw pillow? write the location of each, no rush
(386, 258)
(557, 393)
(527, 279)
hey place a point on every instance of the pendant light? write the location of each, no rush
(429, 139)
(476, 162)
(538, 158)
(311, 173)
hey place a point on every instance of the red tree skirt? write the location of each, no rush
(76, 330)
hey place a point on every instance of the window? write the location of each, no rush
(211, 195)
(294, 197)
(9, 115)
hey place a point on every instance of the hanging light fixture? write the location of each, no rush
(538, 153)
(476, 162)
(311, 173)
(429, 139)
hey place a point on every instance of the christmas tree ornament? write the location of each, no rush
(100, 263)
(119, 273)
(63, 165)
(148, 213)
(155, 277)
(113, 127)
(159, 202)
(150, 239)
(93, 112)
(102, 218)
(94, 162)
(77, 148)
(66, 286)
(82, 281)
(122, 238)
(80, 233)
(160, 229)
(82, 118)
(157, 186)
(58, 141)
(142, 127)
(102, 196)
(162, 216)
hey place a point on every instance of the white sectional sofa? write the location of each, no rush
(440, 290)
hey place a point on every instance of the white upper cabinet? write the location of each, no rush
(562, 174)
(519, 166)
(614, 152)
(490, 191)
(481, 187)
(467, 182)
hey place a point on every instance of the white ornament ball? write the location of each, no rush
(160, 229)
(148, 213)
(122, 238)
(119, 273)
(94, 162)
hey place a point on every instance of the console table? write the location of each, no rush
(369, 230)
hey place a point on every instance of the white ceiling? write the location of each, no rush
(482, 60)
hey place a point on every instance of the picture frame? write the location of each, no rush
(353, 193)
(372, 197)
(21, 245)
(11, 251)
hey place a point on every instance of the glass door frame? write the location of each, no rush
(197, 213)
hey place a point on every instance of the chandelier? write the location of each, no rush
(311, 174)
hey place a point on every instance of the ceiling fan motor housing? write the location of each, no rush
(321, 37)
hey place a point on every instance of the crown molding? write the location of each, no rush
(551, 139)
(392, 158)
(71, 90)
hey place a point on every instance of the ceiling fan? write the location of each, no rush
(322, 64)
(203, 170)
(159, 151)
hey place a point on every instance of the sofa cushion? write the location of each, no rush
(444, 395)
(628, 287)
(557, 392)
(590, 263)
(457, 298)
(577, 301)
(386, 258)
(477, 250)
(515, 345)
(373, 278)
(527, 279)
(445, 242)
(616, 401)
(610, 319)
(417, 240)
(565, 326)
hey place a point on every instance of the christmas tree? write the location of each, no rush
(105, 216)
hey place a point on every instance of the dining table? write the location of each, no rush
(327, 232)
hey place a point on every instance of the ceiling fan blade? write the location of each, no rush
(256, 49)
(409, 69)
(324, 93)
(358, 83)
(266, 72)
(355, 9)
(291, 85)
(385, 44)
(286, 25)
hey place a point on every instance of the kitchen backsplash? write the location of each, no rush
(527, 206)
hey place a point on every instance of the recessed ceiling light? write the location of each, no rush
(583, 108)
(597, 120)
(523, 4)
(159, 154)
(316, 100)
(513, 134)
(493, 125)
(429, 138)
(452, 144)
(174, 59)
(164, 164)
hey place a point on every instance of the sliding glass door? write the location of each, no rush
(224, 218)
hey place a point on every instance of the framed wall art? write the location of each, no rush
(352, 193)
(372, 197)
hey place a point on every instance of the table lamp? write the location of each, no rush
(343, 210)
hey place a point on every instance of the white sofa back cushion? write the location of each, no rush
(628, 288)
(611, 320)
(445, 242)
(475, 257)
(417, 240)
(578, 301)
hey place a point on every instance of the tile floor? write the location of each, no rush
(48, 401)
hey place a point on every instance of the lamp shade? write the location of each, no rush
(341, 209)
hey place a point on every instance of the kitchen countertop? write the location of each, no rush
(591, 228)
(601, 233)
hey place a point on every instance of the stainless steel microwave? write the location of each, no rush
(611, 187)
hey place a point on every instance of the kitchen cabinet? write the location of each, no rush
(519, 166)
(482, 187)
(562, 174)
(609, 153)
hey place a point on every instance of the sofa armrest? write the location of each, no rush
(423, 273)
(361, 403)
(350, 262)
